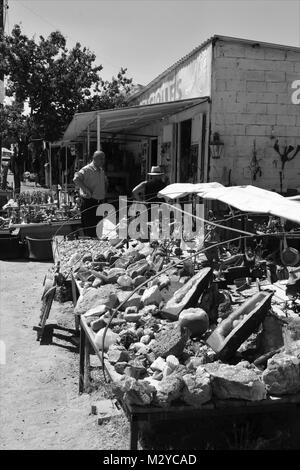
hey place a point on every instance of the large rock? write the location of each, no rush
(135, 392)
(282, 375)
(271, 336)
(128, 337)
(188, 295)
(198, 388)
(237, 381)
(168, 390)
(133, 301)
(135, 369)
(104, 295)
(117, 353)
(109, 339)
(113, 274)
(151, 296)
(171, 340)
(158, 365)
(139, 268)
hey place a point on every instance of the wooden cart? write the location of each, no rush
(137, 415)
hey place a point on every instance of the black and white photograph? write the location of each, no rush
(149, 228)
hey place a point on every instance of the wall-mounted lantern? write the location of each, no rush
(216, 146)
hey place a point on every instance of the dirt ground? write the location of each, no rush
(39, 403)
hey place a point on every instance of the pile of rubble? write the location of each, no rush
(176, 331)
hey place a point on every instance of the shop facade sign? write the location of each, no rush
(191, 79)
(296, 93)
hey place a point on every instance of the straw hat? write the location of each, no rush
(155, 170)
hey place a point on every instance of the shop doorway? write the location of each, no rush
(153, 153)
(186, 168)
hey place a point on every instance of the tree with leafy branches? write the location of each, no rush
(52, 83)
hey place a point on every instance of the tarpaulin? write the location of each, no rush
(245, 198)
(179, 190)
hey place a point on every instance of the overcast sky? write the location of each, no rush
(147, 36)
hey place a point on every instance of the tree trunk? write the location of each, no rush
(4, 176)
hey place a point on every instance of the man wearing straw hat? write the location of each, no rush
(147, 190)
(92, 182)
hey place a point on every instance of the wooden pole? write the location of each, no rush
(88, 144)
(66, 179)
(1, 74)
(50, 163)
(98, 132)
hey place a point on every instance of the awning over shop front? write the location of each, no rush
(123, 120)
(245, 198)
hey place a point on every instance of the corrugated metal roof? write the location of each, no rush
(212, 40)
(122, 120)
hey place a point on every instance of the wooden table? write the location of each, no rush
(76, 290)
(216, 408)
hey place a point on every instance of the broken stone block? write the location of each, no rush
(122, 262)
(113, 274)
(149, 310)
(96, 311)
(282, 375)
(157, 375)
(135, 392)
(171, 340)
(131, 310)
(145, 339)
(107, 254)
(151, 296)
(293, 328)
(132, 317)
(133, 301)
(141, 393)
(168, 390)
(109, 339)
(125, 282)
(195, 361)
(158, 365)
(188, 295)
(91, 297)
(97, 283)
(117, 353)
(127, 337)
(139, 268)
(135, 369)
(271, 336)
(137, 346)
(96, 325)
(150, 356)
(205, 356)
(237, 381)
(138, 280)
(197, 388)
(120, 367)
(172, 362)
(162, 281)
